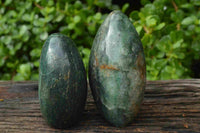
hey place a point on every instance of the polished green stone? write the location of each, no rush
(62, 82)
(117, 70)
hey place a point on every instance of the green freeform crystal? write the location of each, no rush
(117, 70)
(62, 82)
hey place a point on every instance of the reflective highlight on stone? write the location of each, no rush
(62, 82)
(117, 70)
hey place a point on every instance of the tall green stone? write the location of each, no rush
(117, 70)
(62, 82)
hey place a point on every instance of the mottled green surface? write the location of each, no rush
(62, 82)
(117, 70)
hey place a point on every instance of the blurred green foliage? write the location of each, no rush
(169, 30)
(170, 33)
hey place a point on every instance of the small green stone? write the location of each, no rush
(117, 70)
(62, 82)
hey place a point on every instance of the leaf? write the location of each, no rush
(18, 46)
(6, 39)
(177, 44)
(177, 16)
(48, 18)
(147, 39)
(138, 29)
(160, 55)
(78, 4)
(28, 5)
(2, 10)
(7, 2)
(39, 22)
(125, 7)
(163, 43)
(12, 13)
(44, 36)
(25, 70)
(151, 21)
(149, 9)
(134, 15)
(187, 5)
(26, 17)
(23, 30)
(160, 26)
(49, 10)
(97, 16)
(77, 19)
(71, 26)
(86, 52)
(166, 72)
(51, 3)
(2, 61)
(26, 37)
(59, 18)
(35, 76)
(36, 63)
(36, 30)
(35, 52)
(188, 20)
(18, 77)
(63, 29)
(10, 64)
(160, 64)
